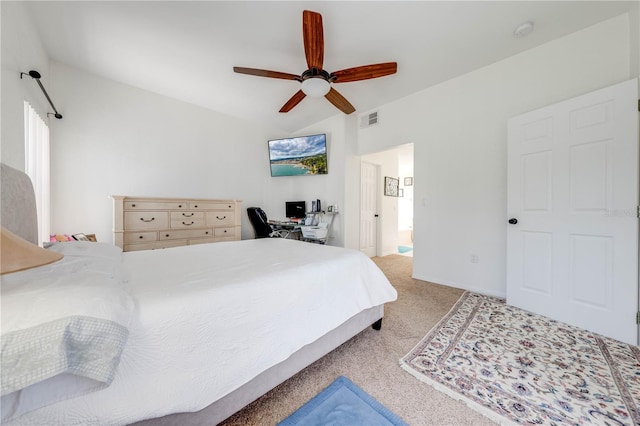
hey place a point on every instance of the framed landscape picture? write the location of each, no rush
(391, 186)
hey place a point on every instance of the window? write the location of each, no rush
(36, 138)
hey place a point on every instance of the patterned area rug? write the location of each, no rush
(517, 367)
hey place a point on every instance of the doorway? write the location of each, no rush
(386, 221)
(405, 201)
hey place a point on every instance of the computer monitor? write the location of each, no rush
(295, 209)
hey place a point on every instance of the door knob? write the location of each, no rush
(513, 221)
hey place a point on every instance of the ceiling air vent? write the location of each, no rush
(369, 120)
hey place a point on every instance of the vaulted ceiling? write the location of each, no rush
(187, 50)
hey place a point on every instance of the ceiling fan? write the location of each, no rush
(316, 81)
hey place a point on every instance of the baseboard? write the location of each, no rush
(473, 289)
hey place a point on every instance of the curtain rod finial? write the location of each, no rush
(33, 74)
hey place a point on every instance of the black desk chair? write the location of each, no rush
(261, 227)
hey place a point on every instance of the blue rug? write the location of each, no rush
(343, 403)
(404, 249)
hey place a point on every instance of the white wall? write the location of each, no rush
(459, 133)
(22, 51)
(119, 140)
(350, 209)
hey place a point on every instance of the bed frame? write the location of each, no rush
(18, 213)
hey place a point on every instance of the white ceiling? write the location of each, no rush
(187, 50)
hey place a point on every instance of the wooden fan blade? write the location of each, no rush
(364, 72)
(295, 100)
(339, 101)
(313, 37)
(265, 73)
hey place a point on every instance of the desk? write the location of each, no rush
(292, 229)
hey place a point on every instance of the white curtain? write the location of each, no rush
(36, 135)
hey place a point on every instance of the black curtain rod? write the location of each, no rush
(36, 76)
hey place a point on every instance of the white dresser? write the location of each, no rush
(142, 223)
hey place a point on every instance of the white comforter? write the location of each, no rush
(209, 318)
(64, 327)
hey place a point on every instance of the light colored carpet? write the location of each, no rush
(370, 360)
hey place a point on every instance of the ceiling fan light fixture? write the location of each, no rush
(315, 87)
(315, 81)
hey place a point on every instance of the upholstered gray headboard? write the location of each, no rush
(18, 204)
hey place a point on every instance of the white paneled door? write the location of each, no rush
(368, 208)
(572, 239)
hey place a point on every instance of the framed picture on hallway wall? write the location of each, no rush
(408, 181)
(391, 186)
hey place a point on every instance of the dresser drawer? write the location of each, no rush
(220, 218)
(211, 206)
(224, 232)
(210, 240)
(154, 246)
(155, 205)
(187, 219)
(185, 233)
(140, 237)
(143, 220)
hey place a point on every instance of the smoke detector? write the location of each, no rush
(523, 29)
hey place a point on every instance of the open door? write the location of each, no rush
(572, 239)
(368, 209)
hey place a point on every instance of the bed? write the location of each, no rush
(206, 328)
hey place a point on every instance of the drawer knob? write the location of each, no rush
(133, 205)
(195, 207)
(187, 224)
(206, 233)
(225, 231)
(147, 220)
(179, 206)
(187, 214)
(166, 235)
(221, 218)
(141, 237)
